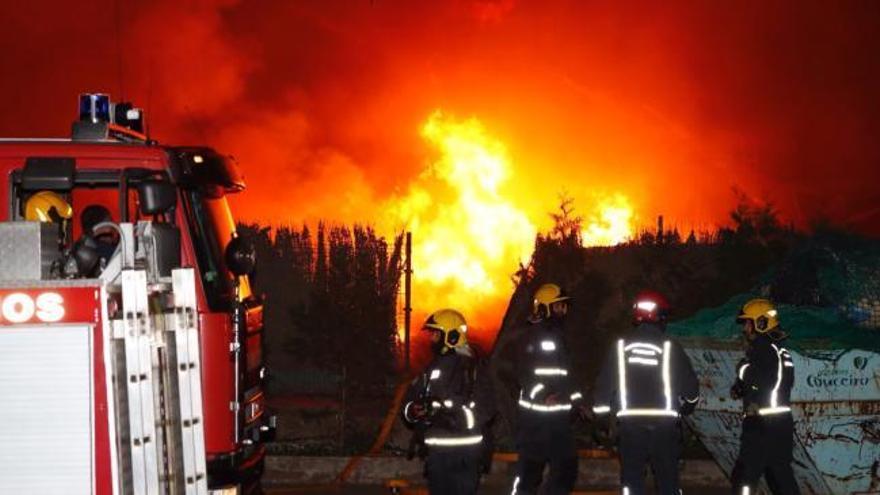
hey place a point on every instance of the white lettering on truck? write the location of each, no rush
(19, 307)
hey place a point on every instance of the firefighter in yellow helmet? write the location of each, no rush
(547, 399)
(447, 406)
(764, 381)
(47, 206)
(448, 330)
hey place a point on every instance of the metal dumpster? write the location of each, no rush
(836, 397)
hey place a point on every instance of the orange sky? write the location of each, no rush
(322, 103)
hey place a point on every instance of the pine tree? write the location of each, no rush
(320, 275)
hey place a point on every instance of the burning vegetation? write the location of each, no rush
(470, 220)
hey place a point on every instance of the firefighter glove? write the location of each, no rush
(736, 391)
(687, 408)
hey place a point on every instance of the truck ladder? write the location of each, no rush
(188, 365)
(138, 343)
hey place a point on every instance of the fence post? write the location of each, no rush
(407, 309)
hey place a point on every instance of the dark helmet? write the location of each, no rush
(93, 215)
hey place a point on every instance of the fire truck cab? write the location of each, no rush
(131, 340)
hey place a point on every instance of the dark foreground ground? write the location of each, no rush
(371, 475)
(488, 490)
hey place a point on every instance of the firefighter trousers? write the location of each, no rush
(765, 449)
(545, 439)
(561, 476)
(453, 470)
(649, 440)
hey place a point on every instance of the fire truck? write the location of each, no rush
(137, 371)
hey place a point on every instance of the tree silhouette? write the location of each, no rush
(331, 304)
(566, 225)
(755, 220)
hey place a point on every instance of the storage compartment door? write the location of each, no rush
(46, 402)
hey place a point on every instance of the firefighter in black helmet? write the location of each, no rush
(447, 406)
(547, 400)
(647, 383)
(764, 381)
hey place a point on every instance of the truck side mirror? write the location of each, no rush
(156, 196)
(241, 257)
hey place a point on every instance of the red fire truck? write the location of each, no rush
(139, 370)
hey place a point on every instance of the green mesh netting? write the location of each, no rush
(828, 296)
(808, 327)
(852, 280)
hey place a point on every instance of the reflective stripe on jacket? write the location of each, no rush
(766, 377)
(461, 400)
(645, 374)
(544, 371)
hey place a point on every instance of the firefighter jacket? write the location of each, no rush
(544, 373)
(646, 374)
(457, 399)
(765, 378)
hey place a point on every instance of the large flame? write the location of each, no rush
(469, 234)
(611, 224)
(470, 231)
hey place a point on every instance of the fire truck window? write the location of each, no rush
(85, 197)
(134, 211)
(212, 229)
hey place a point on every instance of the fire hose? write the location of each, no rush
(384, 432)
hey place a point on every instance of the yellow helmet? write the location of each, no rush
(452, 324)
(761, 312)
(38, 207)
(545, 296)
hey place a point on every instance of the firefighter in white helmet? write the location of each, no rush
(548, 399)
(647, 382)
(764, 381)
(447, 406)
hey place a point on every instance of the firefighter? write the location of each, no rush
(104, 240)
(47, 206)
(50, 207)
(447, 407)
(764, 381)
(647, 383)
(548, 399)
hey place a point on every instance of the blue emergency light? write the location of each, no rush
(94, 107)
